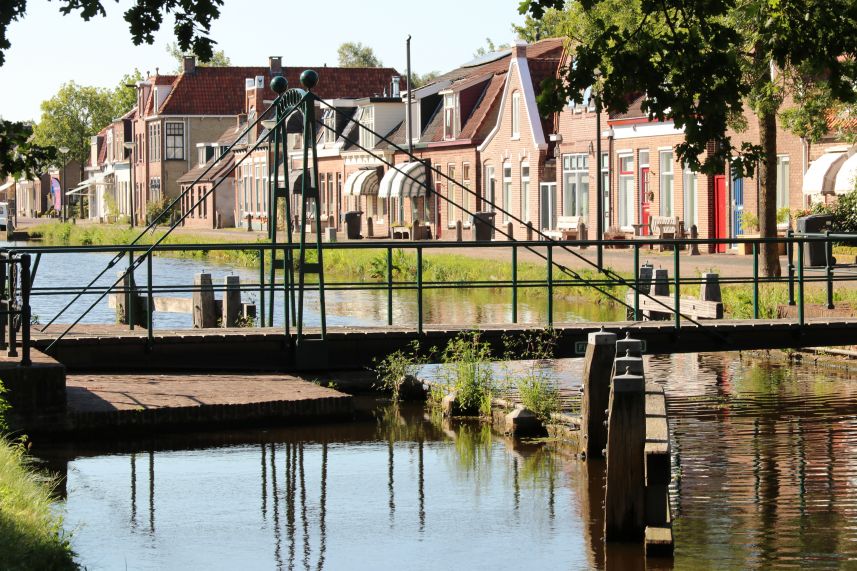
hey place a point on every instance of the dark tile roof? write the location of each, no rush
(221, 90)
(225, 168)
(635, 109)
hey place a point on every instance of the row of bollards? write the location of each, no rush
(625, 421)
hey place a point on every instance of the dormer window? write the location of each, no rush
(516, 117)
(367, 122)
(329, 126)
(451, 116)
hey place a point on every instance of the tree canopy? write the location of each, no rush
(698, 63)
(193, 18)
(355, 54)
(74, 115)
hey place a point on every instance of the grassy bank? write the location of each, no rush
(31, 536)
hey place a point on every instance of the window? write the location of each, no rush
(525, 192)
(516, 110)
(339, 194)
(507, 190)
(666, 186)
(329, 128)
(452, 212)
(451, 118)
(175, 141)
(258, 187)
(154, 142)
(488, 191)
(690, 199)
(605, 187)
(575, 189)
(782, 181)
(626, 190)
(367, 120)
(465, 194)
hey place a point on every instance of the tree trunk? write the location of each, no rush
(768, 190)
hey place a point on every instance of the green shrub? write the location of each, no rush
(467, 371)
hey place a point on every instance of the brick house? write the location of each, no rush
(210, 202)
(337, 86)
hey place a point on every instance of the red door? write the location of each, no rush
(644, 201)
(721, 212)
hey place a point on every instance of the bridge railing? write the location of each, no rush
(557, 277)
(15, 288)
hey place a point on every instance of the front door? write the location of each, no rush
(644, 201)
(547, 200)
(737, 206)
(721, 228)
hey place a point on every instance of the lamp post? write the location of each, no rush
(64, 152)
(130, 146)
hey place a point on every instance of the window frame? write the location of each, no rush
(174, 149)
(516, 115)
(666, 199)
(575, 172)
(625, 176)
(525, 191)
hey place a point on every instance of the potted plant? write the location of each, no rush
(749, 229)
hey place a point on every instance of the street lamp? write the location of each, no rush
(130, 145)
(63, 151)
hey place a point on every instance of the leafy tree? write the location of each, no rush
(72, 116)
(552, 24)
(489, 47)
(699, 63)
(355, 54)
(125, 94)
(193, 19)
(217, 59)
(424, 79)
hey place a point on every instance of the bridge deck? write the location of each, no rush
(110, 347)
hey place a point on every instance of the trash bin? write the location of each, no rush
(815, 253)
(352, 224)
(483, 225)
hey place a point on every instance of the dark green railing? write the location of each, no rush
(557, 277)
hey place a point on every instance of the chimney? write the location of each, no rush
(276, 64)
(520, 50)
(188, 64)
(395, 90)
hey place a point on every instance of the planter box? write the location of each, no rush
(745, 249)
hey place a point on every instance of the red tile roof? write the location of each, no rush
(221, 91)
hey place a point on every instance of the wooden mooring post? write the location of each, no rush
(597, 370)
(204, 310)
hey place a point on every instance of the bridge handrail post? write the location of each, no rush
(677, 287)
(150, 305)
(5, 257)
(514, 284)
(389, 285)
(420, 290)
(261, 313)
(828, 259)
(755, 280)
(550, 284)
(130, 292)
(791, 267)
(25, 311)
(12, 349)
(800, 308)
(636, 282)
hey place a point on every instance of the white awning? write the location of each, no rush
(405, 180)
(819, 177)
(846, 178)
(362, 183)
(7, 185)
(84, 185)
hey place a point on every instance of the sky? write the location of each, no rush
(49, 49)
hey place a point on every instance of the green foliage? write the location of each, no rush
(749, 222)
(424, 79)
(552, 24)
(72, 117)
(534, 383)
(218, 58)
(19, 155)
(4, 407)
(355, 54)
(31, 536)
(395, 368)
(155, 208)
(783, 215)
(467, 372)
(125, 93)
(490, 47)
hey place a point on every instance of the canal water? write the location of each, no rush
(765, 477)
(59, 276)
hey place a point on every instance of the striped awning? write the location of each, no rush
(821, 174)
(846, 178)
(6, 185)
(405, 180)
(363, 182)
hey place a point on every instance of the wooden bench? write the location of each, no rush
(666, 228)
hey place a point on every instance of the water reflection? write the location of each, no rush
(765, 476)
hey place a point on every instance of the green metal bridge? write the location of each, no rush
(292, 268)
